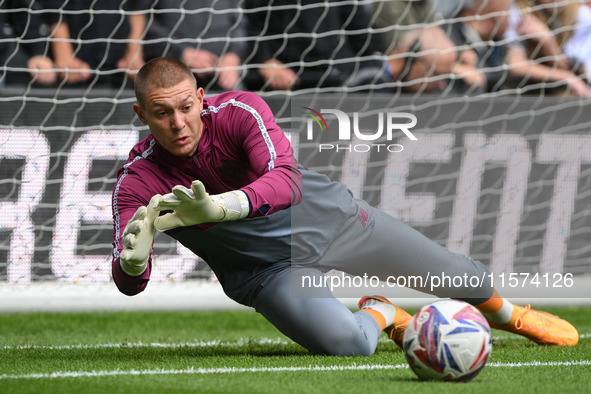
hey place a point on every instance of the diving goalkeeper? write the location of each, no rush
(218, 175)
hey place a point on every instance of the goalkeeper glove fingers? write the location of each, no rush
(137, 239)
(195, 206)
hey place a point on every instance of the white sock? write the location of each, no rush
(387, 310)
(503, 315)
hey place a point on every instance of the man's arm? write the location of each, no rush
(133, 59)
(521, 66)
(132, 240)
(137, 239)
(252, 131)
(270, 154)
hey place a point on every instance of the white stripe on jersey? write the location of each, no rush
(144, 154)
(259, 119)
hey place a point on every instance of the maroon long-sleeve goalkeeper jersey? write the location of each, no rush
(242, 148)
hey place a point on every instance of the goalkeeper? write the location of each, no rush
(218, 175)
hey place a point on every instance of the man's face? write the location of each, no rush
(173, 116)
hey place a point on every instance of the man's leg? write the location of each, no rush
(317, 321)
(376, 244)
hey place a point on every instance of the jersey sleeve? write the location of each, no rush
(269, 152)
(125, 204)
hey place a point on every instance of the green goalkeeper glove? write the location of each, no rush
(195, 206)
(137, 239)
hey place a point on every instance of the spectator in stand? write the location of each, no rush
(86, 40)
(420, 54)
(572, 22)
(482, 28)
(313, 44)
(451, 8)
(529, 33)
(22, 45)
(207, 36)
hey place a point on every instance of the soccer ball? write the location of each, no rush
(447, 340)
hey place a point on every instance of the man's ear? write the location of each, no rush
(140, 113)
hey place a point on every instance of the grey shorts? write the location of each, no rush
(370, 243)
(375, 244)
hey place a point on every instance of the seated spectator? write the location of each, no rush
(451, 8)
(22, 45)
(208, 36)
(572, 22)
(528, 32)
(313, 44)
(421, 56)
(87, 45)
(482, 28)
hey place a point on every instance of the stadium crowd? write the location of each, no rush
(452, 46)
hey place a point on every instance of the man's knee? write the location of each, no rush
(344, 341)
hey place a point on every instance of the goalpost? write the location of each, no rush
(503, 176)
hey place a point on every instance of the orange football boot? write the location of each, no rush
(395, 331)
(541, 327)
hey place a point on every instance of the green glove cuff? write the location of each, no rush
(235, 205)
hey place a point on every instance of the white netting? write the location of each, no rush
(503, 171)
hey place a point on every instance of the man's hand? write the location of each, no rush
(74, 71)
(137, 239)
(131, 63)
(42, 69)
(229, 74)
(278, 76)
(195, 206)
(201, 61)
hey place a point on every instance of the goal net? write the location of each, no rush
(499, 167)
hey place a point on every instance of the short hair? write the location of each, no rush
(161, 72)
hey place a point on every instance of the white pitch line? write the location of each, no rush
(581, 336)
(199, 371)
(542, 364)
(198, 344)
(311, 368)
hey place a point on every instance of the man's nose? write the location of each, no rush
(178, 121)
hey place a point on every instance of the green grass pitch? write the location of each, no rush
(240, 352)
